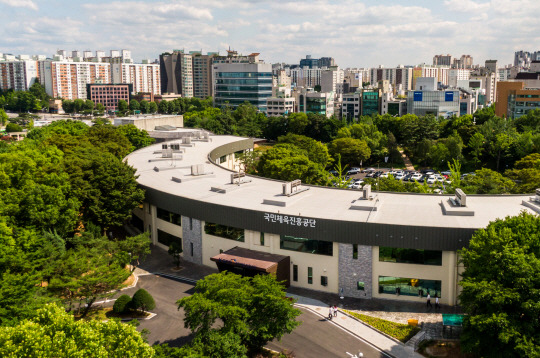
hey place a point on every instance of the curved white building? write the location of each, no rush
(390, 245)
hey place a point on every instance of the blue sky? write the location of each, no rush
(356, 33)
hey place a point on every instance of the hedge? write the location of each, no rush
(400, 331)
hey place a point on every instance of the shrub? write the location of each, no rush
(402, 332)
(121, 305)
(13, 127)
(143, 300)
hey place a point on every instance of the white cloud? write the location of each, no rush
(21, 3)
(466, 5)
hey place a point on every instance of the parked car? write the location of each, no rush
(431, 179)
(369, 170)
(399, 176)
(447, 173)
(416, 176)
(383, 175)
(353, 171)
(356, 185)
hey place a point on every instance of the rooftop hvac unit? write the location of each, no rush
(186, 140)
(175, 146)
(167, 153)
(366, 192)
(197, 169)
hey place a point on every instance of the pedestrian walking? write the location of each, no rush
(437, 302)
(335, 311)
(428, 303)
(331, 313)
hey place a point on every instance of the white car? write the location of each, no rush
(356, 185)
(431, 179)
(416, 176)
(399, 176)
(384, 175)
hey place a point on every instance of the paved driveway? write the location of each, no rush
(316, 337)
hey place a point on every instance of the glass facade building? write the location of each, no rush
(236, 83)
(437, 103)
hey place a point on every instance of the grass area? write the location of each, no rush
(402, 332)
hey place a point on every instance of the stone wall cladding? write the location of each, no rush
(353, 270)
(192, 236)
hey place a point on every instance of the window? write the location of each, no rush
(324, 280)
(222, 159)
(227, 232)
(360, 286)
(149, 209)
(191, 248)
(410, 256)
(262, 238)
(318, 247)
(191, 223)
(409, 286)
(355, 251)
(168, 216)
(295, 273)
(310, 275)
(167, 239)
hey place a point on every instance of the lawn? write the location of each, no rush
(400, 331)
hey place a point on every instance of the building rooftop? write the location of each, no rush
(265, 195)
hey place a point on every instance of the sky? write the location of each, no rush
(356, 33)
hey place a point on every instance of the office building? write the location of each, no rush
(455, 75)
(401, 78)
(334, 241)
(437, 103)
(309, 101)
(521, 102)
(238, 79)
(109, 94)
(332, 80)
(323, 62)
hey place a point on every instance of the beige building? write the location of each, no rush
(390, 245)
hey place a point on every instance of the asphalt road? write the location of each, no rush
(315, 337)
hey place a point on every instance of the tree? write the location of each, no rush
(476, 145)
(143, 300)
(526, 173)
(351, 150)
(3, 117)
(138, 138)
(175, 250)
(501, 289)
(252, 308)
(298, 123)
(134, 105)
(144, 106)
(121, 304)
(152, 107)
(89, 105)
(55, 333)
(487, 181)
(137, 246)
(122, 106)
(13, 127)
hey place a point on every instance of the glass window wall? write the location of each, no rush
(227, 232)
(409, 286)
(410, 256)
(318, 247)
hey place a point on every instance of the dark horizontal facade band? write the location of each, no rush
(362, 233)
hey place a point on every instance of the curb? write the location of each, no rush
(348, 330)
(152, 315)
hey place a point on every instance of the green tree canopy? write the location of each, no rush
(54, 333)
(487, 181)
(352, 150)
(501, 289)
(254, 309)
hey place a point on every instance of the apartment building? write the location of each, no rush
(455, 75)
(18, 73)
(332, 80)
(68, 80)
(145, 76)
(401, 77)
